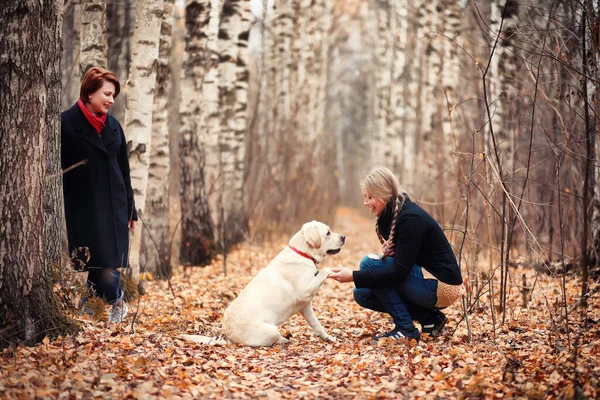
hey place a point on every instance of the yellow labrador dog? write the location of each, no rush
(283, 288)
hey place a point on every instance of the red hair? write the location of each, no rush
(94, 79)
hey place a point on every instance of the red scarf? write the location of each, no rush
(98, 123)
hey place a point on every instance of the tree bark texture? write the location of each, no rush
(71, 32)
(93, 35)
(233, 101)
(138, 111)
(30, 39)
(197, 238)
(120, 26)
(155, 236)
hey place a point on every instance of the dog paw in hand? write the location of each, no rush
(326, 272)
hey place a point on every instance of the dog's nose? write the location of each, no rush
(343, 238)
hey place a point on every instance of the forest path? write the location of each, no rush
(529, 357)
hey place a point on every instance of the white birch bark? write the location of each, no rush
(430, 67)
(138, 111)
(415, 86)
(504, 92)
(155, 241)
(394, 134)
(234, 23)
(210, 115)
(384, 54)
(93, 35)
(197, 237)
(451, 62)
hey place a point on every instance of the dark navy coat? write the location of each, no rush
(98, 195)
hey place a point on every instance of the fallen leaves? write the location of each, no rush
(529, 357)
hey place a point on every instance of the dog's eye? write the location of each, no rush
(328, 233)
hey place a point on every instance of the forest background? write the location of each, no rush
(245, 119)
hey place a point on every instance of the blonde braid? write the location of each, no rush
(394, 218)
(381, 240)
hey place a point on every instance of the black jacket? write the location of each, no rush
(98, 195)
(419, 240)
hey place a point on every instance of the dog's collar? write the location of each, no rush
(303, 254)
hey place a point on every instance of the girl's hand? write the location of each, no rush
(341, 275)
(388, 249)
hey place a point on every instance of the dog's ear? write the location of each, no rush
(312, 237)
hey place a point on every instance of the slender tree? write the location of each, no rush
(138, 111)
(155, 240)
(233, 93)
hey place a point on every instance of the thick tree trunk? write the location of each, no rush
(197, 240)
(93, 35)
(30, 38)
(138, 111)
(155, 240)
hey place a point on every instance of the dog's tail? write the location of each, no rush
(210, 340)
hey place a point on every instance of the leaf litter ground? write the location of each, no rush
(529, 357)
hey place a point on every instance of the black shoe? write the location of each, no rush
(399, 333)
(434, 323)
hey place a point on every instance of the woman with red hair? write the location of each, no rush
(99, 205)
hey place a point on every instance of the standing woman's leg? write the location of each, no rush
(94, 282)
(110, 282)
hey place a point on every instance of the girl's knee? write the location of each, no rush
(368, 261)
(372, 261)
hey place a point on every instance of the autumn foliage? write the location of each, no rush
(529, 356)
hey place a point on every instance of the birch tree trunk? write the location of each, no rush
(504, 92)
(138, 112)
(71, 52)
(451, 65)
(120, 17)
(210, 129)
(93, 35)
(395, 134)
(30, 38)
(233, 94)
(413, 107)
(155, 240)
(384, 56)
(430, 68)
(197, 239)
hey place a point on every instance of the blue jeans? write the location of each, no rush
(105, 283)
(413, 299)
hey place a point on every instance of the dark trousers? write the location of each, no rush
(105, 283)
(413, 299)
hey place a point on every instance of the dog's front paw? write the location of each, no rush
(325, 272)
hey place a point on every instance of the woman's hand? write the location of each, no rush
(388, 248)
(131, 225)
(341, 275)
